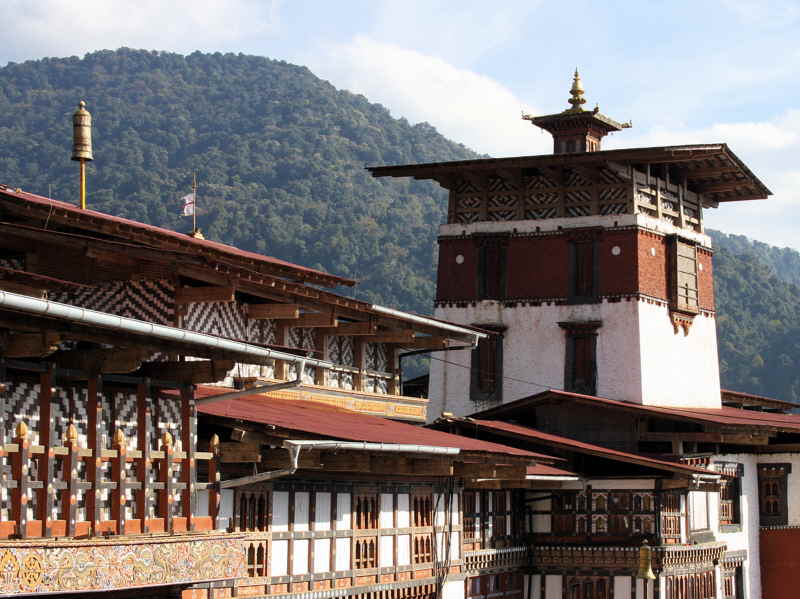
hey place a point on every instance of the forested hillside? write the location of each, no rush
(279, 156)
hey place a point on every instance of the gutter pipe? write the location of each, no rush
(295, 446)
(257, 354)
(431, 322)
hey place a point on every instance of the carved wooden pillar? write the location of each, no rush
(165, 498)
(46, 493)
(69, 496)
(144, 464)
(20, 463)
(118, 495)
(281, 335)
(213, 479)
(94, 474)
(359, 354)
(188, 466)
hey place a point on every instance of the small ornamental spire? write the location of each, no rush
(576, 91)
(82, 144)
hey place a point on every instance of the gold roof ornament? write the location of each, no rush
(82, 133)
(166, 439)
(22, 429)
(576, 91)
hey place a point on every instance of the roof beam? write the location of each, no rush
(190, 295)
(273, 311)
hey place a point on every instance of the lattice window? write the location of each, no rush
(729, 493)
(772, 493)
(671, 515)
(588, 587)
(471, 514)
(252, 510)
(422, 510)
(700, 585)
(365, 552)
(365, 511)
(423, 549)
(257, 558)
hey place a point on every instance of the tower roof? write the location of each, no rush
(577, 121)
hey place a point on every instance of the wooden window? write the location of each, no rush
(583, 267)
(502, 513)
(671, 518)
(486, 382)
(471, 500)
(423, 549)
(563, 518)
(700, 585)
(580, 365)
(422, 510)
(365, 552)
(772, 494)
(365, 511)
(588, 587)
(252, 510)
(729, 493)
(491, 268)
(683, 276)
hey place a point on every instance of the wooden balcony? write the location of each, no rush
(490, 559)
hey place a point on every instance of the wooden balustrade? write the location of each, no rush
(508, 557)
(62, 464)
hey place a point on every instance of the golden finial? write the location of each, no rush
(119, 438)
(166, 439)
(576, 91)
(213, 445)
(72, 433)
(22, 429)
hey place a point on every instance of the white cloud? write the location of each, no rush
(466, 107)
(60, 27)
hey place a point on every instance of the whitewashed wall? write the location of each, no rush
(640, 358)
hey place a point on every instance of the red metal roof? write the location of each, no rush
(337, 423)
(722, 416)
(185, 240)
(544, 470)
(537, 436)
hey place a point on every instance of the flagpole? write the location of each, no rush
(194, 196)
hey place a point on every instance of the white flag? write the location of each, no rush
(188, 204)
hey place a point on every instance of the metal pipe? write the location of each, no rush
(431, 322)
(294, 457)
(32, 305)
(301, 366)
(366, 446)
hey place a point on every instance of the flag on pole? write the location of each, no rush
(188, 204)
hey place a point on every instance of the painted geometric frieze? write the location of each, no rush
(74, 567)
(149, 300)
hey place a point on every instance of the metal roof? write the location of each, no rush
(336, 423)
(724, 416)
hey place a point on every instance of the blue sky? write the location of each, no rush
(683, 72)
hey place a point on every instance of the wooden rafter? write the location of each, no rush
(188, 295)
(273, 311)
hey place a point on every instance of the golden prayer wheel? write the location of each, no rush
(82, 133)
(645, 562)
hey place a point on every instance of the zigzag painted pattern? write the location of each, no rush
(152, 301)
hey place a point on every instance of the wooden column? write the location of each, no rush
(165, 478)
(94, 474)
(188, 466)
(281, 334)
(359, 354)
(20, 462)
(213, 480)
(392, 365)
(144, 445)
(321, 346)
(118, 499)
(46, 494)
(69, 496)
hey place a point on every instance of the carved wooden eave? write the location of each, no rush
(715, 166)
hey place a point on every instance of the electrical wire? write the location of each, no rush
(505, 378)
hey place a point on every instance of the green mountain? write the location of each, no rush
(279, 156)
